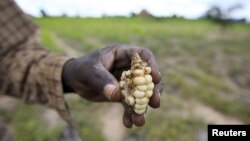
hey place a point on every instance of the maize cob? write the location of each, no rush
(137, 86)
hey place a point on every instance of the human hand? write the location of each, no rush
(95, 77)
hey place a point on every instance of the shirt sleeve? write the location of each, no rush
(27, 70)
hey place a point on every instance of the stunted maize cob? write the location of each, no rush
(136, 84)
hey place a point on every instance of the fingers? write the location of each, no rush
(124, 55)
(138, 120)
(150, 59)
(127, 121)
(130, 117)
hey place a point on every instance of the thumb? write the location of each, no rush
(107, 83)
(112, 92)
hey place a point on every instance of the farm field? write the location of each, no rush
(205, 69)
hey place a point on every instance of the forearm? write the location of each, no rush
(33, 74)
(27, 70)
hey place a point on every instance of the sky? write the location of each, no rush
(96, 8)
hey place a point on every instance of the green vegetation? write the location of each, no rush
(199, 61)
(28, 125)
(49, 41)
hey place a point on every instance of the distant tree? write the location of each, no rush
(174, 16)
(64, 15)
(214, 12)
(222, 17)
(132, 14)
(234, 7)
(44, 13)
(104, 16)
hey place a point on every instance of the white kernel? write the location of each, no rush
(140, 106)
(147, 70)
(143, 100)
(139, 80)
(124, 93)
(128, 73)
(130, 100)
(141, 87)
(149, 93)
(150, 86)
(138, 72)
(138, 94)
(139, 111)
(122, 84)
(148, 79)
(123, 75)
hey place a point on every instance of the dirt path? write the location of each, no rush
(208, 114)
(7, 103)
(113, 128)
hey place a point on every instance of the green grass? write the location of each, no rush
(49, 41)
(198, 61)
(112, 30)
(27, 123)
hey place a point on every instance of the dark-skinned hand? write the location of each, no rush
(95, 77)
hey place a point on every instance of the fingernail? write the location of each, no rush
(109, 90)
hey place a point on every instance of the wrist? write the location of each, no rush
(66, 73)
